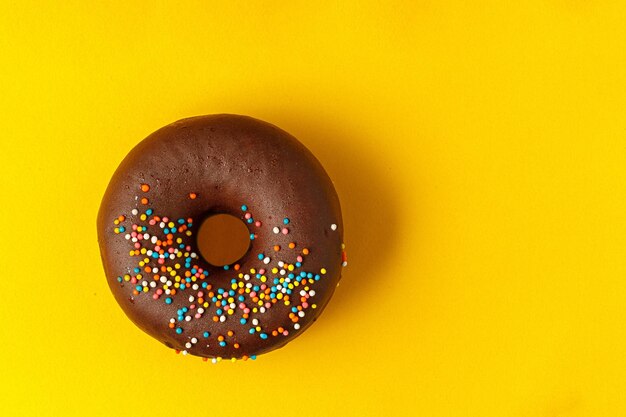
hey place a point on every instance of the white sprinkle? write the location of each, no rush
(149, 252)
(154, 239)
(283, 272)
(184, 352)
(312, 293)
(232, 306)
(296, 326)
(344, 264)
(200, 310)
(162, 225)
(195, 286)
(262, 309)
(168, 292)
(172, 321)
(144, 283)
(281, 264)
(146, 236)
(134, 240)
(194, 340)
(155, 270)
(255, 322)
(172, 256)
(302, 293)
(222, 319)
(276, 230)
(300, 313)
(134, 211)
(153, 284)
(191, 298)
(333, 226)
(188, 345)
(193, 255)
(249, 285)
(247, 278)
(127, 236)
(213, 360)
(187, 318)
(266, 260)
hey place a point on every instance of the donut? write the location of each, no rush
(185, 173)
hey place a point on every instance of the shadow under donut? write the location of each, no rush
(369, 207)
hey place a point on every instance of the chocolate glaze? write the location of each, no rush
(228, 161)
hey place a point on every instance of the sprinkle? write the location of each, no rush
(285, 221)
(244, 208)
(193, 196)
(276, 248)
(292, 245)
(333, 226)
(305, 251)
(276, 230)
(145, 188)
(144, 201)
(285, 230)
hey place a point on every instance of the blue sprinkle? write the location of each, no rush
(251, 236)
(219, 312)
(138, 288)
(242, 321)
(253, 357)
(251, 331)
(244, 208)
(205, 284)
(166, 230)
(179, 330)
(168, 300)
(181, 221)
(231, 293)
(137, 270)
(222, 343)
(149, 212)
(206, 334)
(263, 336)
(261, 256)
(122, 229)
(226, 267)
(298, 264)
(286, 220)
(119, 279)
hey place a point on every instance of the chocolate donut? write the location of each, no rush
(221, 164)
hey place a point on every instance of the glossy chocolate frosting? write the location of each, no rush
(234, 165)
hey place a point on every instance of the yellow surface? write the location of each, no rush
(479, 151)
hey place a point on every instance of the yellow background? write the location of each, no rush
(479, 151)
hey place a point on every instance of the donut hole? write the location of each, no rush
(223, 239)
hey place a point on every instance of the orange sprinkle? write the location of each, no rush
(171, 325)
(276, 248)
(193, 196)
(216, 319)
(237, 267)
(305, 251)
(220, 338)
(292, 245)
(274, 333)
(145, 188)
(144, 201)
(236, 345)
(121, 218)
(230, 333)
